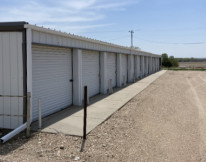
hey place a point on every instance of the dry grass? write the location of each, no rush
(195, 65)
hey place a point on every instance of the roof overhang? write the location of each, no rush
(12, 26)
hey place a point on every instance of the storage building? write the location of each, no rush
(55, 66)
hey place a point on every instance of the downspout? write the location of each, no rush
(13, 133)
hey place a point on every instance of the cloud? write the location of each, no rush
(78, 4)
(38, 13)
(78, 29)
(114, 5)
(83, 13)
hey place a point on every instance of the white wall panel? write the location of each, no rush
(145, 66)
(150, 65)
(1, 83)
(52, 39)
(51, 75)
(137, 67)
(112, 68)
(91, 72)
(132, 66)
(153, 63)
(11, 79)
(142, 66)
(124, 67)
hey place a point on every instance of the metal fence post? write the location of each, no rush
(85, 113)
(40, 120)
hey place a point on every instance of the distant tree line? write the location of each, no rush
(169, 61)
(191, 59)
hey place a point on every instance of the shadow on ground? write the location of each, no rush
(64, 113)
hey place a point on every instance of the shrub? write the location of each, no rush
(169, 61)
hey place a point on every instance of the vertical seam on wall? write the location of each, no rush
(10, 77)
(18, 75)
(72, 52)
(2, 78)
(100, 70)
(116, 69)
(24, 62)
(127, 68)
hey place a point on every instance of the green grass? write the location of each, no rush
(184, 69)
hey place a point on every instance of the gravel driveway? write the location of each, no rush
(165, 122)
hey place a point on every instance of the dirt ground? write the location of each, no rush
(165, 122)
(201, 65)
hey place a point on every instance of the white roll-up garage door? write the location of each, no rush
(145, 66)
(51, 75)
(150, 65)
(124, 68)
(142, 66)
(137, 67)
(90, 72)
(132, 66)
(112, 68)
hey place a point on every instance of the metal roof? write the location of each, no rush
(12, 26)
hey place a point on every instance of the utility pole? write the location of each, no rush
(131, 31)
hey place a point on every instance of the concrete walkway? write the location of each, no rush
(70, 121)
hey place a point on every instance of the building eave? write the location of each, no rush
(72, 36)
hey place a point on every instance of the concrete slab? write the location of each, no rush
(70, 121)
(72, 126)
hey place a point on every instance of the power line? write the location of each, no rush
(109, 38)
(104, 31)
(119, 37)
(173, 43)
(175, 29)
(143, 30)
(152, 41)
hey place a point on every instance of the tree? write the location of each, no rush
(165, 60)
(137, 48)
(169, 61)
(173, 61)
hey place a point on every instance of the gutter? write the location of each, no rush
(13, 133)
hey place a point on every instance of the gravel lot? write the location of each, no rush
(165, 122)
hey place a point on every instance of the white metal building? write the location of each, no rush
(55, 66)
(112, 69)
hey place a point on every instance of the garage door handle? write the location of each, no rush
(71, 80)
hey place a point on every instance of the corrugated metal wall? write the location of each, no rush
(132, 67)
(145, 65)
(52, 39)
(142, 66)
(112, 68)
(150, 65)
(137, 67)
(51, 75)
(124, 67)
(153, 64)
(91, 72)
(11, 79)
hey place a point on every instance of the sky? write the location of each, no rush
(175, 27)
